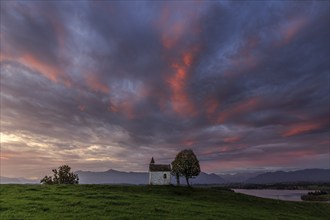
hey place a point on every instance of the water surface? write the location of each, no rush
(288, 195)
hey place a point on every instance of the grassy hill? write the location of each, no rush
(146, 202)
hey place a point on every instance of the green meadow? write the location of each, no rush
(146, 202)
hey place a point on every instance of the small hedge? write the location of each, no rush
(316, 196)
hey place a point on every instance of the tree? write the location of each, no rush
(186, 164)
(62, 175)
(175, 172)
(47, 180)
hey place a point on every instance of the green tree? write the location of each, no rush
(47, 180)
(186, 164)
(62, 175)
(175, 172)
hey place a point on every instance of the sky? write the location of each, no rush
(104, 85)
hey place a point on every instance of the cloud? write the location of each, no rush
(106, 85)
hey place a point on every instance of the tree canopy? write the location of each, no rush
(186, 164)
(62, 175)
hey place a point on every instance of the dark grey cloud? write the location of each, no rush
(110, 84)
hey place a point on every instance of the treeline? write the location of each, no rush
(283, 186)
(318, 195)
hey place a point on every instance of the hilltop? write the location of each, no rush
(146, 202)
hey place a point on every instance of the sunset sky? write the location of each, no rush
(104, 85)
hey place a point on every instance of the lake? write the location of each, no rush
(288, 195)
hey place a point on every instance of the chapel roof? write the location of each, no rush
(159, 167)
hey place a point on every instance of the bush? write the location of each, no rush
(61, 176)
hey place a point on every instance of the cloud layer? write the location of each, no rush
(102, 85)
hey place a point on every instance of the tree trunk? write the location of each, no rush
(187, 179)
(177, 179)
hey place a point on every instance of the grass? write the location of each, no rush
(146, 202)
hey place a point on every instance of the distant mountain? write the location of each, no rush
(202, 178)
(239, 177)
(8, 180)
(119, 177)
(308, 175)
(112, 177)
